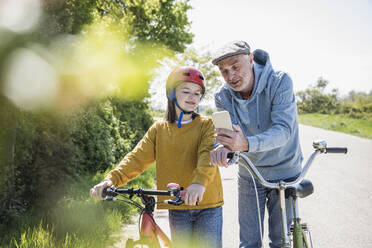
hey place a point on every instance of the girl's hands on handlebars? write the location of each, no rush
(194, 193)
(96, 191)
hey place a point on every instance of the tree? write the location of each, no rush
(315, 100)
(52, 148)
(151, 21)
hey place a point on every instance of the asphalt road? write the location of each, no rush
(339, 213)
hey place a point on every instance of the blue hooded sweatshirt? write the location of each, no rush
(268, 119)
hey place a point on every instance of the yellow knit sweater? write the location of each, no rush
(181, 155)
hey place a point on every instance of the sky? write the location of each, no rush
(307, 39)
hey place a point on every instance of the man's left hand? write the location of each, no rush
(233, 140)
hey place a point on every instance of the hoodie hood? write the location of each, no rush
(262, 70)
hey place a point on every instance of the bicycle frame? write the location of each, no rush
(298, 236)
(150, 233)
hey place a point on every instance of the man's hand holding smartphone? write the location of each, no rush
(230, 136)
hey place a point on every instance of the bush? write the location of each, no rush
(52, 153)
(315, 100)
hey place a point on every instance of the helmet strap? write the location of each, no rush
(172, 96)
(182, 113)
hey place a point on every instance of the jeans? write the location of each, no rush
(248, 214)
(196, 228)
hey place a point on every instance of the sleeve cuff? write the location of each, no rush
(112, 179)
(215, 144)
(253, 144)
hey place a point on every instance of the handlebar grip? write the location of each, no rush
(232, 158)
(182, 195)
(230, 155)
(110, 191)
(336, 150)
(104, 192)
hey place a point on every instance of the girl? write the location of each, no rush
(180, 145)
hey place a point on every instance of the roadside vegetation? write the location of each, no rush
(340, 123)
(76, 113)
(350, 114)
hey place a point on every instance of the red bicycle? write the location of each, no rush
(151, 235)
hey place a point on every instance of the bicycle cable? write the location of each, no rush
(140, 219)
(129, 201)
(258, 204)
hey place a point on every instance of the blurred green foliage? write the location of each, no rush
(155, 21)
(56, 158)
(102, 53)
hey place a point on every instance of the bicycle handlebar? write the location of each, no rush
(110, 193)
(319, 146)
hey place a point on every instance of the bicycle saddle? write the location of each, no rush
(305, 188)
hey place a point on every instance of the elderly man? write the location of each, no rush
(263, 110)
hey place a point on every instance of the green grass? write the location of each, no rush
(77, 220)
(361, 127)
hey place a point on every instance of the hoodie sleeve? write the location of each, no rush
(204, 172)
(218, 102)
(283, 116)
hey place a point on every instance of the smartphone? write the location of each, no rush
(222, 120)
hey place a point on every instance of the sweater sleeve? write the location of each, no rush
(204, 172)
(135, 162)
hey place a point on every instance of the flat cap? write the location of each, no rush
(230, 49)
